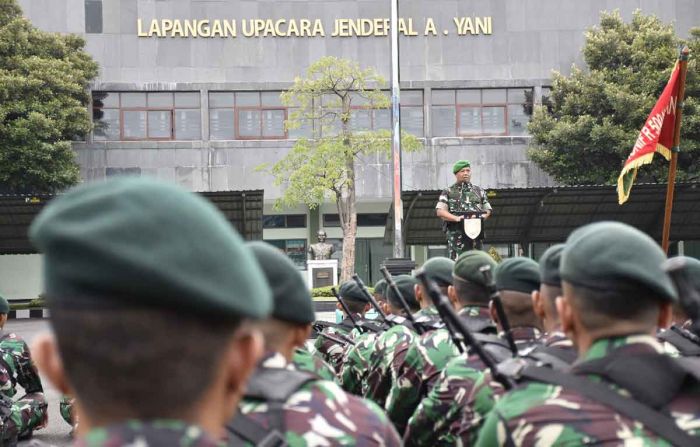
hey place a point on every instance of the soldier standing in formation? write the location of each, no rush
(461, 197)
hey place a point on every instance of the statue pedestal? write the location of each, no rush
(322, 273)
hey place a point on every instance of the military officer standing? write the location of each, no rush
(461, 197)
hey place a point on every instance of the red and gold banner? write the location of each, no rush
(655, 136)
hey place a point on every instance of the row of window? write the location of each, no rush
(120, 116)
(329, 220)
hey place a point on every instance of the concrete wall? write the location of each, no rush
(20, 276)
(530, 37)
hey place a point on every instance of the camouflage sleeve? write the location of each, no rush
(485, 205)
(304, 360)
(478, 405)
(489, 434)
(442, 408)
(443, 200)
(404, 395)
(356, 363)
(27, 374)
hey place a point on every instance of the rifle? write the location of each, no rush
(689, 296)
(344, 306)
(498, 304)
(371, 299)
(409, 316)
(337, 338)
(452, 319)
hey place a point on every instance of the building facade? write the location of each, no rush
(188, 90)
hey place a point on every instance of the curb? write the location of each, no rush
(27, 313)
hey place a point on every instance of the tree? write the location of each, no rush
(587, 128)
(323, 165)
(43, 104)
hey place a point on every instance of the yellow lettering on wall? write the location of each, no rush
(430, 27)
(305, 26)
(165, 27)
(481, 25)
(191, 28)
(203, 28)
(248, 28)
(278, 27)
(155, 29)
(293, 29)
(216, 29)
(139, 26)
(177, 29)
(230, 28)
(318, 28)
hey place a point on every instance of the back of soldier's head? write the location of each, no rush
(147, 285)
(353, 296)
(516, 279)
(405, 285)
(292, 306)
(468, 279)
(612, 272)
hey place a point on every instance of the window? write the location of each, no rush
(363, 220)
(364, 118)
(247, 116)
(284, 221)
(146, 116)
(93, 16)
(496, 111)
(294, 248)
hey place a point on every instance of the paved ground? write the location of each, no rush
(58, 432)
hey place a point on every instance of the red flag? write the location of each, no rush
(655, 136)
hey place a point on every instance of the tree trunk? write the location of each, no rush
(348, 221)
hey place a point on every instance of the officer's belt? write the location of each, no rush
(662, 379)
(274, 386)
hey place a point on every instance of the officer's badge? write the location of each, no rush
(472, 227)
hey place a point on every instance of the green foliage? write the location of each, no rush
(43, 104)
(324, 164)
(588, 127)
(325, 292)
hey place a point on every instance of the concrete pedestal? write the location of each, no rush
(322, 273)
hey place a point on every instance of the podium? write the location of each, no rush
(322, 273)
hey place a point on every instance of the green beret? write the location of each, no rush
(519, 274)
(134, 241)
(549, 265)
(461, 164)
(291, 299)
(349, 290)
(380, 287)
(610, 255)
(468, 264)
(405, 285)
(692, 266)
(439, 269)
(4, 306)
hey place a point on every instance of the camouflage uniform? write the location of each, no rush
(29, 412)
(152, 433)
(304, 360)
(329, 350)
(424, 359)
(321, 413)
(458, 199)
(464, 393)
(378, 381)
(65, 407)
(355, 365)
(540, 413)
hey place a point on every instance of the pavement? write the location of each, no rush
(57, 433)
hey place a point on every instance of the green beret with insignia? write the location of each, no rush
(291, 299)
(4, 306)
(380, 287)
(132, 242)
(613, 255)
(349, 290)
(461, 164)
(468, 264)
(439, 269)
(405, 285)
(549, 265)
(519, 274)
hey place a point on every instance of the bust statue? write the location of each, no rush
(321, 250)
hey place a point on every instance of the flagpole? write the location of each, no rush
(683, 61)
